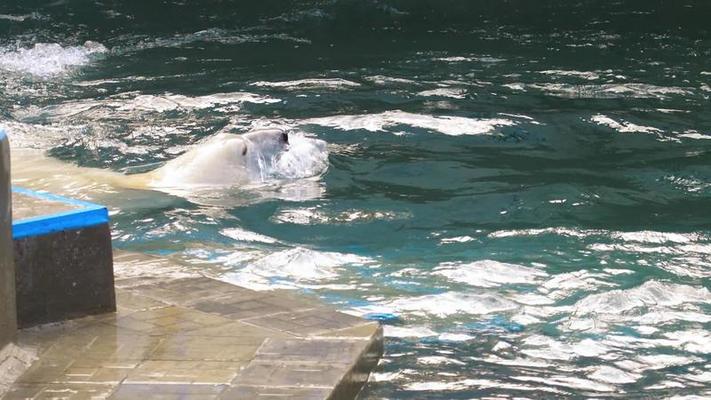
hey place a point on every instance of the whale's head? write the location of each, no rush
(266, 142)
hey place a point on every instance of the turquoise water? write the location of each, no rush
(519, 191)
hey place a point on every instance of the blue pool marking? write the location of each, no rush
(84, 215)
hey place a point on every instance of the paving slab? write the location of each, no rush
(180, 335)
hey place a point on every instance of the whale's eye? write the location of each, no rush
(285, 137)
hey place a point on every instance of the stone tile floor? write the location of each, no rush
(177, 335)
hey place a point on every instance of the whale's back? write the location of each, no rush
(217, 162)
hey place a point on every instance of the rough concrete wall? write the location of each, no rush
(64, 275)
(8, 322)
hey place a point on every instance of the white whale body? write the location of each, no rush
(259, 159)
(223, 160)
(228, 160)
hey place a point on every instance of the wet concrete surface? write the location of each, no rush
(24, 206)
(179, 335)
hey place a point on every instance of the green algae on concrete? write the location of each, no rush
(177, 335)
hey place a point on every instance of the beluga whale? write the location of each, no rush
(258, 160)
(224, 160)
(230, 160)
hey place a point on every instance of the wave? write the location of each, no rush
(480, 59)
(46, 60)
(316, 215)
(243, 235)
(212, 35)
(622, 126)
(132, 104)
(488, 273)
(587, 75)
(448, 125)
(451, 303)
(325, 83)
(444, 92)
(651, 294)
(288, 268)
(604, 91)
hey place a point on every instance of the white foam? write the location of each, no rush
(623, 126)
(650, 294)
(307, 157)
(444, 92)
(16, 18)
(501, 346)
(438, 360)
(488, 273)
(634, 90)
(547, 348)
(384, 80)
(661, 317)
(693, 341)
(482, 59)
(301, 216)
(692, 134)
(588, 75)
(214, 35)
(242, 235)
(391, 376)
(450, 303)
(608, 374)
(326, 83)
(36, 136)
(169, 101)
(290, 268)
(456, 239)
(132, 105)
(448, 125)
(576, 233)
(515, 86)
(660, 361)
(408, 332)
(525, 319)
(455, 337)
(315, 215)
(49, 59)
(655, 237)
(464, 384)
(569, 382)
(563, 285)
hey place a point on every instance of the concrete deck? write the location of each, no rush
(24, 206)
(179, 335)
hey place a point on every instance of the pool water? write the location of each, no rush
(519, 191)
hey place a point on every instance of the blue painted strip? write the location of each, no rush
(2, 134)
(85, 215)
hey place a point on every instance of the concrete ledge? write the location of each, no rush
(63, 258)
(8, 320)
(178, 335)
